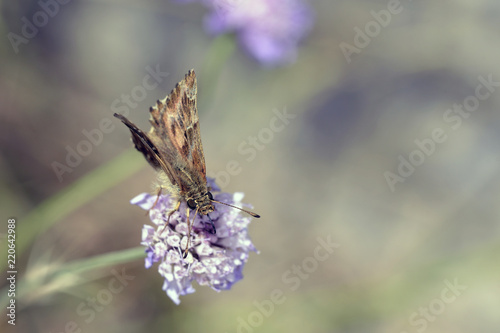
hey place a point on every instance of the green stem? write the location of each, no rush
(45, 280)
(73, 197)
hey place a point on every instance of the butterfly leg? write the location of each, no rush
(168, 217)
(188, 234)
(158, 193)
(176, 208)
(189, 230)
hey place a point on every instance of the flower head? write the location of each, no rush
(269, 30)
(215, 260)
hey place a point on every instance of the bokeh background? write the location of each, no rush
(400, 249)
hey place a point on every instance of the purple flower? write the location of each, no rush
(269, 30)
(214, 260)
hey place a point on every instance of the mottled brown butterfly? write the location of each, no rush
(173, 148)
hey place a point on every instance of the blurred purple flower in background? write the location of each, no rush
(270, 30)
(212, 260)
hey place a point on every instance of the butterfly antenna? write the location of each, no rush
(244, 210)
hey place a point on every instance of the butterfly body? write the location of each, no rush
(173, 148)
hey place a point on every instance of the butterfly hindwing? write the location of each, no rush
(144, 144)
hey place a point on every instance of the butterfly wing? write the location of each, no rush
(144, 144)
(176, 132)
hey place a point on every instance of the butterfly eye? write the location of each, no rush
(191, 203)
(210, 196)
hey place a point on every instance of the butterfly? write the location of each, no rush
(173, 148)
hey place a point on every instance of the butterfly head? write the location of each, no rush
(203, 203)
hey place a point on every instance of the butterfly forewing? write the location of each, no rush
(176, 132)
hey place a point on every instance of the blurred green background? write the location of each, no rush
(420, 255)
